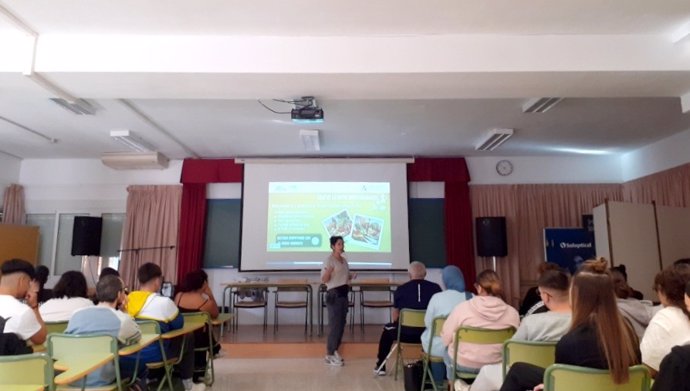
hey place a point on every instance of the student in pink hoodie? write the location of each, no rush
(486, 310)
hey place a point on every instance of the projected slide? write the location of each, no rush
(302, 216)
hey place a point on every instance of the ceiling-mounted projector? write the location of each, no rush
(306, 111)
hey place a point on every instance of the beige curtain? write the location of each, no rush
(669, 188)
(528, 210)
(13, 205)
(152, 220)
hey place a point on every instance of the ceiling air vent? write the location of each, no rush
(494, 139)
(135, 160)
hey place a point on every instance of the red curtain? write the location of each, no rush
(458, 208)
(192, 226)
(196, 174)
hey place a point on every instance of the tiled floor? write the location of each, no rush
(304, 374)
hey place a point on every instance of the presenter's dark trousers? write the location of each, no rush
(523, 376)
(337, 306)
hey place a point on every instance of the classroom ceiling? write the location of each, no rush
(393, 77)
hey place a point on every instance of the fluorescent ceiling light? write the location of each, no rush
(583, 151)
(310, 139)
(682, 35)
(131, 141)
(540, 105)
(494, 139)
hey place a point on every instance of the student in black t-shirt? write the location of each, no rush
(414, 294)
(596, 324)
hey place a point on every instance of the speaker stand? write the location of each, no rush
(493, 261)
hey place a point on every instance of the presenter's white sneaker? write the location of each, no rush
(338, 356)
(333, 361)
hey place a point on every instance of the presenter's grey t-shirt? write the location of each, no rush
(340, 274)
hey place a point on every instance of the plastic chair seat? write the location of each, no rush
(378, 303)
(427, 358)
(26, 371)
(292, 304)
(250, 304)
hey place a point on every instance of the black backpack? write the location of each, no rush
(10, 343)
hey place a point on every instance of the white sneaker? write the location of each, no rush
(379, 373)
(333, 361)
(338, 356)
(461, 386)
(198, 387)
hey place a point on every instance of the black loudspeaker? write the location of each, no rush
(491, 236)
(86, 235)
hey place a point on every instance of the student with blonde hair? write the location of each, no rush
(599, 336)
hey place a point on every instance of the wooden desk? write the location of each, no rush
(23, 387)
(231, 287)
(146, 340)
(189, 327)
(79, 366)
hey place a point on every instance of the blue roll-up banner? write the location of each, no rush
(568, 247)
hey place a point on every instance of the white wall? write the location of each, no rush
(661, 155)
(9, 172)
(84, 185)
(547, 169)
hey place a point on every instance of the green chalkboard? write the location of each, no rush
(427, 232)
(222, 244)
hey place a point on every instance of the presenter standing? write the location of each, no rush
(336, 275)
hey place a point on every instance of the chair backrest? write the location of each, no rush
(196, 317)
(56, 327)
(483, 336)
(26, 369)
(62, 346)
(539, 353)
(149, 326)
(411, 318)
(573, 378)
(436, 327)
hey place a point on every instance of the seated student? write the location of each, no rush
(146, 303)
(671, 325)
(414, 294)
(674, 368)
(42, 273)
(105, 319)
(108, 271)
(69, 295)
(196, 296)
(441, 304)
(531, 303)
(22, 319)
(599, 337)
(623, 271)
(638, 312)
(486, 310)
(553, 286)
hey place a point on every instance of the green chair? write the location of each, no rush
(427, 357)
(26, 372)
(408, 318)
(56, 327)
(70, 348)
(152, 327)
(539, 353)
(203, 317)
(475, 335)
(573, 378)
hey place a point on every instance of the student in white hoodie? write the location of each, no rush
(486, 310)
